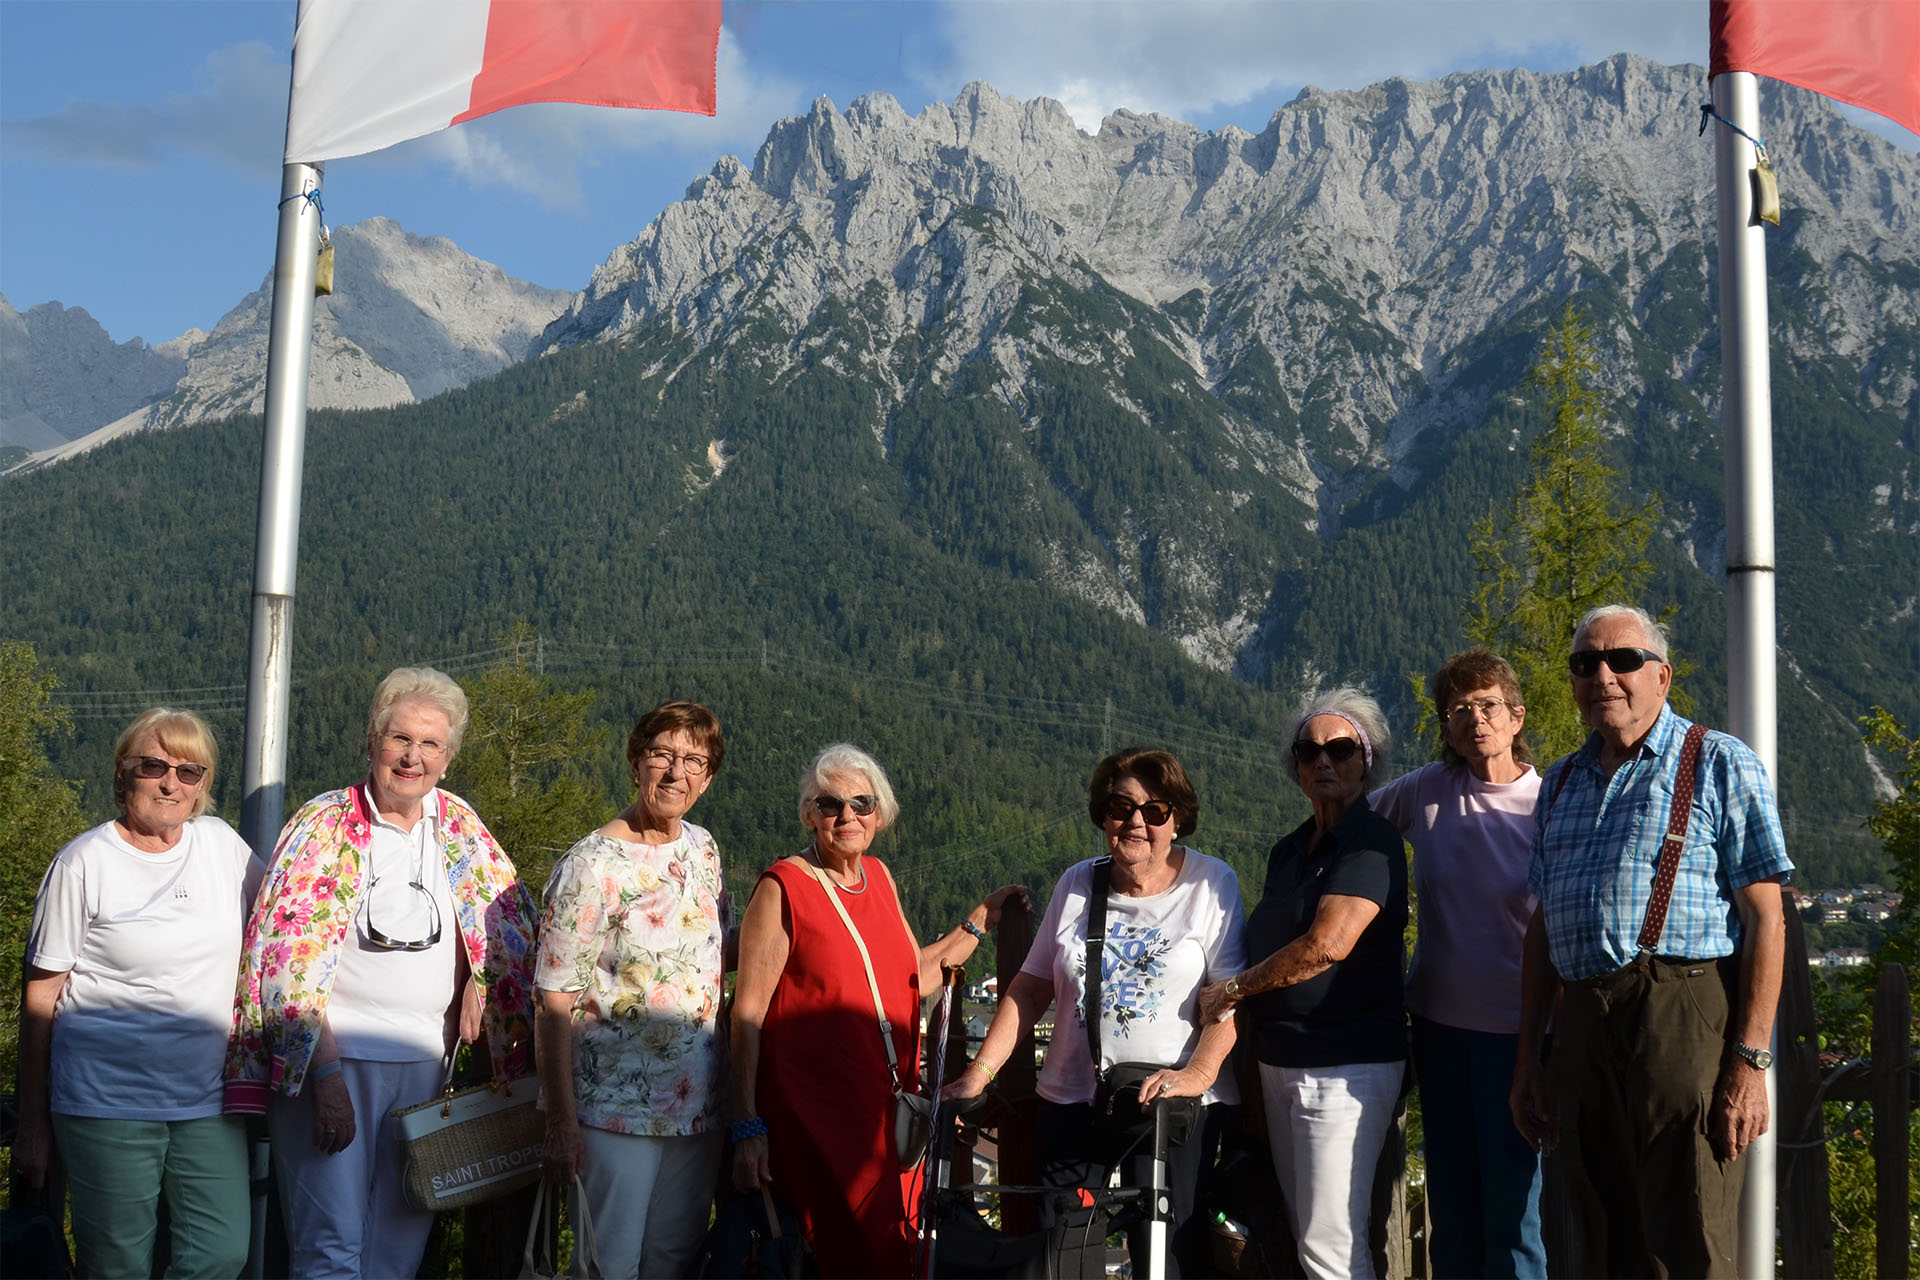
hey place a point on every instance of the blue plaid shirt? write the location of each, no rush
(1596, 844)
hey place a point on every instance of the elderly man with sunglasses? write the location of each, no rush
(1657, 860)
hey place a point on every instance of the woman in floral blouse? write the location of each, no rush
(633, 1062)
(390, 921)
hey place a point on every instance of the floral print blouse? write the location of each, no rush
(303, 915)
(638, 933)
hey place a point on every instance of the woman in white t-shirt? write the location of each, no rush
(129, 988)
(1469, 817)
(1173, 924)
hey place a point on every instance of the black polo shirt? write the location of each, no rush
(1352, 1012)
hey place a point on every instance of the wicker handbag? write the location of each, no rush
(471, 1145)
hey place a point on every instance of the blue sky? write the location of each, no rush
(140, 139)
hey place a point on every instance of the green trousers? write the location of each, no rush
(117, 1171)
(1637, 1056)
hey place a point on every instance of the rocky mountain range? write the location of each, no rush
(1327, 296)
(409, 317)
(61, 375)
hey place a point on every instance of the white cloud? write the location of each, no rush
(542, 150)
(234, 111)
(1187, 58)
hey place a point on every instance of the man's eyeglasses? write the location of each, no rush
(1585, 663)
(1155, 813)
(830, 806)
(386, 943)
(692, 763)
(189, 773)
(1339, 750)
(401, 744)
(1485, 709)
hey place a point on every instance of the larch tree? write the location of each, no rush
(519, 765)
(1572, 539)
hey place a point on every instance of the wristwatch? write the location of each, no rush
(1233, 987)
(1757, 1058)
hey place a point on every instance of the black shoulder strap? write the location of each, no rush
(1096, 951)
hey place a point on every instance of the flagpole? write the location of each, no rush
(276, 544)
(1747, 417)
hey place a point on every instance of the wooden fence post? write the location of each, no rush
(1892, 1032)
(1804, 1197)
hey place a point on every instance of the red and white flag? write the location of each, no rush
(1865, 52)
(370, 73)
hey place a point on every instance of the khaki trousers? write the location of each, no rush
(1636, 1058)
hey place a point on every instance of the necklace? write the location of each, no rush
(813, 856)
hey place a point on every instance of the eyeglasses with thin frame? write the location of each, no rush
(692, 763)
(1338, 750)
(1585, 663)
(400, 744)
(830, 806)
(189, 773)
(1487, 709)
(1119, 808)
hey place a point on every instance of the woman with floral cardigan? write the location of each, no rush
(390, 921)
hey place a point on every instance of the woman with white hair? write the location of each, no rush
(1324, 1003)
(812, 1080)
(391, 921)
(129, 983)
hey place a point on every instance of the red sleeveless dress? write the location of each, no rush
(823, 1085)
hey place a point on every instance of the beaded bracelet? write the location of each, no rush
(974, 929)
(325, 1071)
(751, 1127)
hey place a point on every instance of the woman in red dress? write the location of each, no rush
(812, 1081)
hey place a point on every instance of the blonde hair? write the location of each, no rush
(418, 684)
(179, 733)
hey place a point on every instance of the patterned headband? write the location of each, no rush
(1366, 743)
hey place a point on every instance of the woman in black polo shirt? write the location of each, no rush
(1325, 1003)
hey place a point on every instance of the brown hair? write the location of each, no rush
(696, 720)
(1461, 673)
(179, 733)
(1159, 772)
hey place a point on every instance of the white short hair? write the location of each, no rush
(844, 757)
(418, 684)
(1650, 629)
(1358, 706)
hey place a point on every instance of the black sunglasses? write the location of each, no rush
(154, 767)
(1585, 663)
(385, 943)
(1155, 813)
(1339, 750)
(830, 806)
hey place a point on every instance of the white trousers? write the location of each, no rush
(347, 1215)
(1327, 1126)
(648, 1198)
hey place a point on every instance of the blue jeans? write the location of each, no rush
(1483, 1180)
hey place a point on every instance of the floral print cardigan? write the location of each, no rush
(305, 911)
